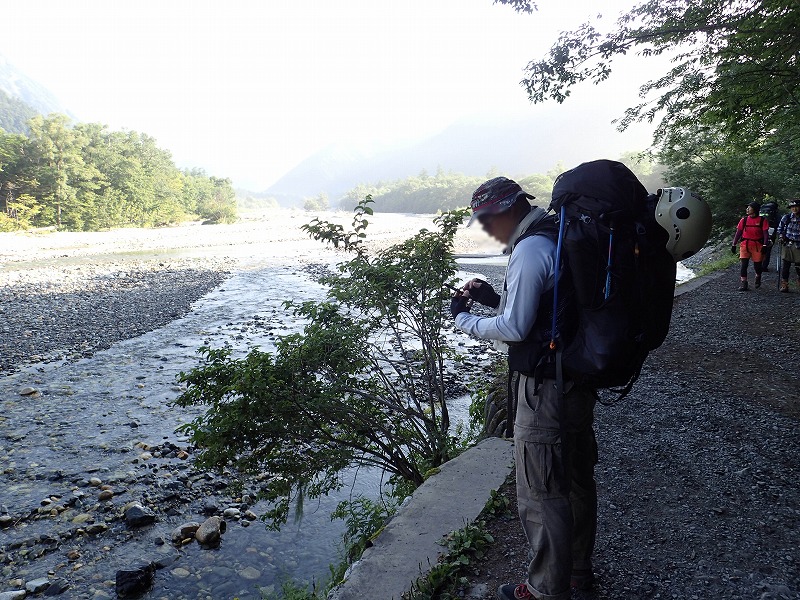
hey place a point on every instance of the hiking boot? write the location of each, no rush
(514, 592)
(784, 286)
(743, 287)
(758, 281)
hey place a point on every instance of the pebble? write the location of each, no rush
(28, 391)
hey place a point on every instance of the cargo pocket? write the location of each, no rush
(544, 467)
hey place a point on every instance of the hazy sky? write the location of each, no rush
(249, 88)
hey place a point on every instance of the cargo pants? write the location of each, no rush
(555, 455)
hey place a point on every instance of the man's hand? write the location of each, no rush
(480, 291)
(459, 304)
(733, 249)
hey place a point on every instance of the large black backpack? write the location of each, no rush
(618, 272)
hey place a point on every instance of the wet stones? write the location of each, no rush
(13, 595)
(137, 515)
(37, 586)
(28, 391)
(134, 583)
(184, 532)
(56, 587)
(210, 532)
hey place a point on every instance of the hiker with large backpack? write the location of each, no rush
(789, 236)
(587, 294)
(752, 234)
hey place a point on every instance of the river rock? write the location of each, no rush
(96, 528)
(250, 515)
(28, 391)
(36, 586)
(250, 573)
(57, 587)
(231, 513)
(184, 532)
(6, 520)
(13, 595)
(82, 518)
(130, 584)
(210, 532)
(105, 495)
(137, 515)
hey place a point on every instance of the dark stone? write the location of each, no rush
(132, 584)
(138, 516)
(57, 587)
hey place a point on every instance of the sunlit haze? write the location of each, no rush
(247, 89)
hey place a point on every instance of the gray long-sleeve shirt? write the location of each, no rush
(529, 274)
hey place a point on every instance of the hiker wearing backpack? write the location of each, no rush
(555, 451)
(752, 234)
(572, 323)
(789, 236)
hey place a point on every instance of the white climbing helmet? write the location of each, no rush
(686, 218)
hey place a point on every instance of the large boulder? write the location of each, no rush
(210, 532)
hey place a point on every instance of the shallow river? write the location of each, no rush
(91, 419)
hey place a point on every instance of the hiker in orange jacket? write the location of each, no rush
(752, 234)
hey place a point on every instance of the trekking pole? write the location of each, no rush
(779, 265)
(608, 266)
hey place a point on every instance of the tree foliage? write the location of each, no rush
(728, 108)
(735, 62)
(445, 191)
(85, 177)
(362, 385)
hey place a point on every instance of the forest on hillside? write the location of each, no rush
(85, 177)
(445, 191)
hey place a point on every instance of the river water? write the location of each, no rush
(97, 417)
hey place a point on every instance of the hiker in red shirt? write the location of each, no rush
(752, 234)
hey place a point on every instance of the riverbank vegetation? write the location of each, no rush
(364, 384)
(85, 178)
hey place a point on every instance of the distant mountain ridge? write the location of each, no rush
(515, 146)
(17, 84)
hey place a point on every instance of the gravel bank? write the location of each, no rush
(698, 472)
(70, 311)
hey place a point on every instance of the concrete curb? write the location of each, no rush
(409, 545)
(696, 282)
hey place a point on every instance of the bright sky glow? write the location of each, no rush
(249, 88)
